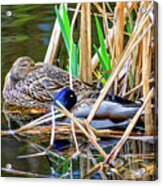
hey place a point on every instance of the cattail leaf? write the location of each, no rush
(63, 30)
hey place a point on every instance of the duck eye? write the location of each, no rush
(71, 96)
(24, 64)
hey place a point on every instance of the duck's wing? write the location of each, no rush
(45, 82)
(113, 98)
(17, 97)
(107, 110)
(123, 101)
(40, 85)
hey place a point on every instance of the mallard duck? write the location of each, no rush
(33, 84)
(117, 109)
(114, 112)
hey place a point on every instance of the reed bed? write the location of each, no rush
(122, 63)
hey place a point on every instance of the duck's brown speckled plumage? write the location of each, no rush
(35, 85)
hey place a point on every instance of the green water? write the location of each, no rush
(27, 33)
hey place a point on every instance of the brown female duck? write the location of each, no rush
(33, 84)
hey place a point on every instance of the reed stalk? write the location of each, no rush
(74, 136)
(101, 172)
(54, 41)
(107, 33)
(71, 44)
(119, 29)
(109, 16)
(22, 173)
(53, 126)
(85, 71)
(136, 88)
(118, 37)
(146, 70)
(66, 130)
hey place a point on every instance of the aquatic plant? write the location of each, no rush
(103, 55)
(73, 49)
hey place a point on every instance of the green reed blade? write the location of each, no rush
(103, 50)
(65, 33)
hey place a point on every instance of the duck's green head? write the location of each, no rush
(21, 67)
(66, 97)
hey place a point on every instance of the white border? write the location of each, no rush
(42, 182)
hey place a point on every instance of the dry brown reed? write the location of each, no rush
(85, 71)
(54, 41)
(22, 173)
(71, 43)
(146, 70)
(118, 43)
(133, 42)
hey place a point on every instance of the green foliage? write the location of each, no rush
(66, 33)
(66, 21)
(65, 166)
(75, 59)
(100, 159)
(130, 27)
(131, 80)
(103, 55)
